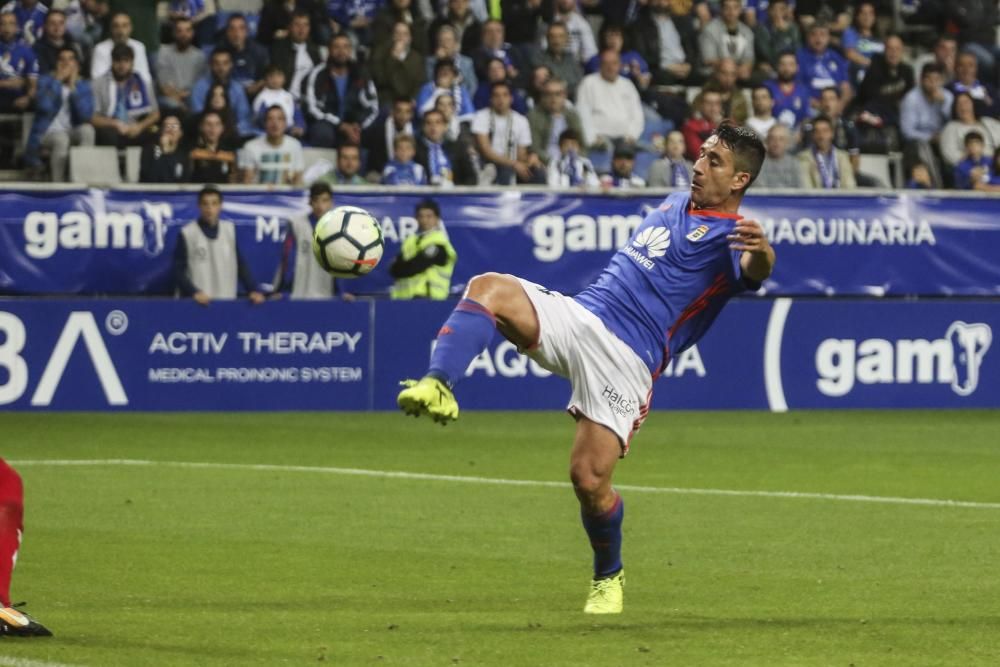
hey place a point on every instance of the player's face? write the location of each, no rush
(715, 176)
(320, 204)
(210, 205)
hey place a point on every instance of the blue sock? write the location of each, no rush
(464, 335)
(605, 532)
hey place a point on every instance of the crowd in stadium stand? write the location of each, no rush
(590, 93)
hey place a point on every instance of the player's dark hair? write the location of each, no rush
(318, 189)
(746, 146)
(209, 190)
(428, 204)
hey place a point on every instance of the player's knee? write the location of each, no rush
(488, 288)
(587, 482)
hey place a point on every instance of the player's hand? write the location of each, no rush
(256, 298)
(202, 299)
(748, 236)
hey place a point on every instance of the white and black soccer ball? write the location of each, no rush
(348, 242)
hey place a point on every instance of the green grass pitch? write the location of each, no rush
(236, 565)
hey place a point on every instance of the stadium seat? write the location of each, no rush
(317, 161)
(133, 163)
(877, 166)
(97, 165)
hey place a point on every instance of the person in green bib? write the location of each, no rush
(423, 268)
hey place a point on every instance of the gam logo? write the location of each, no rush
(954, 359)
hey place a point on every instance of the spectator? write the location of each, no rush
(401, 11)
(125, 107)
(63, 111)
(19, 74)
(502, 137)
(821, 66)
(446, 80)
(886, 81)
(276, 19)
(568, 167)
(299, 274)
(835, 13)
(496, 73)
(220, 69)
(348, 168)
(178, 67)
(609, 105)
(249, 57)
(923, 114)
(397, 69)
(121, 35)
(558, 57)
(622, 176)
(822, 164)
(581, 45)
(217, 99)
(445, 103)
(634, 66)
(52, 40)
(446, 48)
(861, 41)
(380, 140)
(965, 120)
(274, 94)
(550, 119)
(944, 54)
(146, 24)
(993, 182)
(402, 169)
(780, 170)
(974, 168)
(466, 29)
(30, 16)
(353, 17)
(702, 122)
(340, 100)
(208, 264)
(845, 135)
(426, 260)
(446, 162)
(728, 37)
(671, 170)
(295, 54)
(275, 158)
(85, 24)
(723, 80)
(779, 34)
(521, 21)
(920, 177)
(763, 118)
(166, 161)
(967, 81)
(201, 14)
(667, 42)
(974, 23)
(791, 96)
(213, 156)
(494, 46)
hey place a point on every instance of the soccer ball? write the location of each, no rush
(348, 242)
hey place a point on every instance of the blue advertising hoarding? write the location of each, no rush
(121, 242)
(779, 355)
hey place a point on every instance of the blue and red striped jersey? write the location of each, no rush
(663, 289)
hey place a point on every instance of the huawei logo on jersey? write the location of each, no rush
(656, 240)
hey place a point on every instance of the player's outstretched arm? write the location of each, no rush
(757, 260)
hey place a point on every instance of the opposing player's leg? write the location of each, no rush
(491, 301)
(12, 621)
(596, 450)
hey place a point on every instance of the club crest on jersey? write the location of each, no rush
(697, 233)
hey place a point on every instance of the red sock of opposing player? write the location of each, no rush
(11, 516)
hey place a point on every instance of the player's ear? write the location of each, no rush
(741, 181)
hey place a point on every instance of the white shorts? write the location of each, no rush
(611, 385)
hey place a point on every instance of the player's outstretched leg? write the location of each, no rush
(491, 301)
(595, 452)
(12, 622)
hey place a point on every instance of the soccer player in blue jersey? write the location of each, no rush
(656, 298)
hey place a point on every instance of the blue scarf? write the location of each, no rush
(829, 173)
(438, 164)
